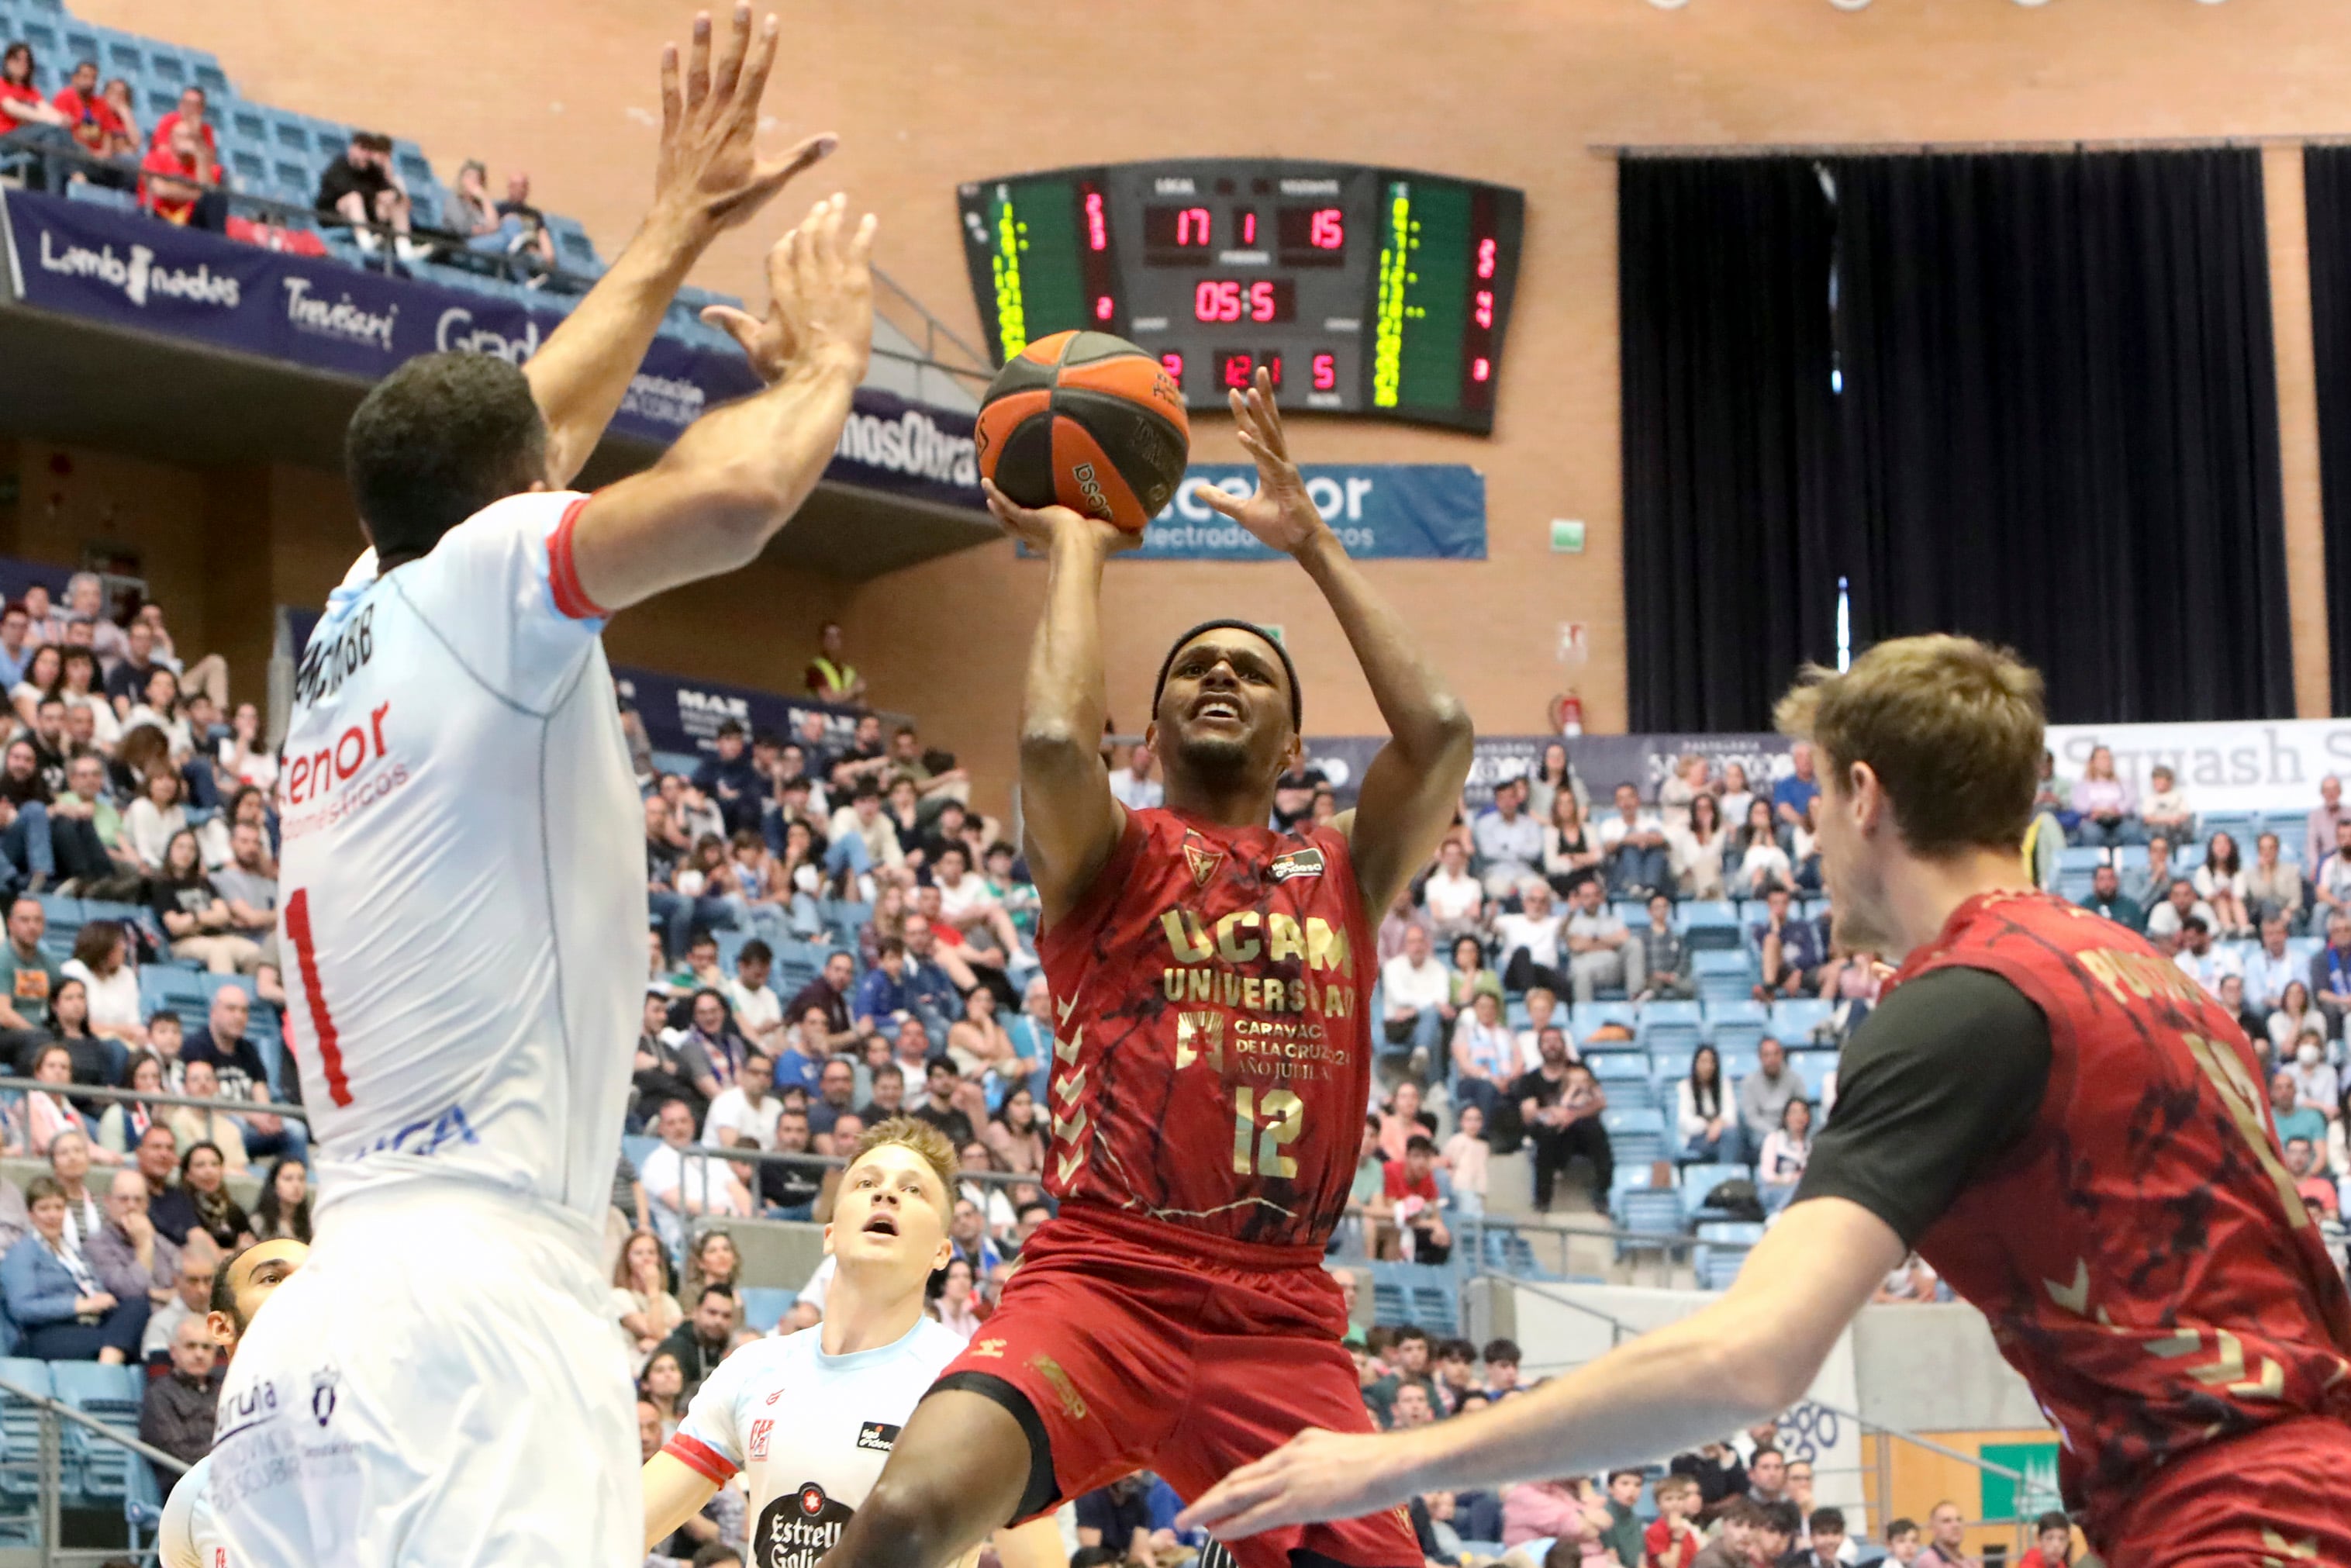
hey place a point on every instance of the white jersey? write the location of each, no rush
(811, 1431)
(462, 888)
(189, 1536)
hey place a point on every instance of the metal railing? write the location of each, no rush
(100, 1091)
(55, 1416)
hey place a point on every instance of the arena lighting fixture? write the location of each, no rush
(1669, 4)
(1850, 4)
(2030, 4)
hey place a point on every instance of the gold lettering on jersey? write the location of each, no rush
(1186, 936)
(1231, 947)
(2248, 1110)
(2283, 1552)
(2127, 976)
(1191, 1030)
(1283, 939)
(1326, 944)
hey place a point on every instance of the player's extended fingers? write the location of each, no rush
(728, 72)
(744, 328)
(671, 97)
(697, 63)
(1230, 1500)
(1218, 501)
(774, 176)
(861, 244)
(828, 237)
(757, 64)
(1269, 415)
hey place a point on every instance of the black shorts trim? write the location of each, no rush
(1041, 1492)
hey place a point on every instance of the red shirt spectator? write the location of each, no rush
(1401, 1184)
(179, 168)
(1672, 1544)
(21, 102)
(192, 107)
(95, 124)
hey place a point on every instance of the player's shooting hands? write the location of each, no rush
(708, 176)
(1315, 1476)
(1280, 514)
(820, 299)
(1039, 528)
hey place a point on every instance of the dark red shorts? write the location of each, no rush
(1140, 1346)
(2279, 1496)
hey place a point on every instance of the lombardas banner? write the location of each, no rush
(129, 270)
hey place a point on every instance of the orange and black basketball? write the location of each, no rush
(1088, 420)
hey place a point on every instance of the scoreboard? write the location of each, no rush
(1360, 291)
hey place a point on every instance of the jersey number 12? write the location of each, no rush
(1285, 1118)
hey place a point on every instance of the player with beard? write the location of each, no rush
(1211, 1060)
(2070, 1130)
(189, 1537)
(812, 1417)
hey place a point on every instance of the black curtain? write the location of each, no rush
(2326, 201)
(1728, 436)
(2060, 422)
(2057, 427)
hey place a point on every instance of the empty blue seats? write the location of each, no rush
(20, 1428)
(1794, 1022)
(1654, 1210)
(111, 1394)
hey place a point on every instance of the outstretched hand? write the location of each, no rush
(1280, 514)
(1037, 526)
(821, 298)
(709, 173)
(1315, 1476)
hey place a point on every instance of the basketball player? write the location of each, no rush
(461, 888)
(1211, 1065)
(190, 1535)
(2067, 1128)
(813, 1415)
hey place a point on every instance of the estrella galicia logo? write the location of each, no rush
(323, 1393)
(877, 1437)
(798, 1527)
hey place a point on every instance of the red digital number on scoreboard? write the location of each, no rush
(1327, 230)
(1172, 363)
(1326, 372)
(1237, 370)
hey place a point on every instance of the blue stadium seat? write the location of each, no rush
(1656, 1210)
(1586, 1017)
(1815, 1066)
(47, 43)
(111, 1394)
(1427, 1295)
(1506, 1252)
(1794, 1021)
(122, 55)
(2081, 857)
(1717, 1267)
(1722, 975)
(574, 251)
(20, 1428)
(639, 1149)
(1710, 924)
(1668, 1065)
(1736, 1232)
(765, 1306)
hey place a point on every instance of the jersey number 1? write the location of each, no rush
(1285, 1118)
(305, 960)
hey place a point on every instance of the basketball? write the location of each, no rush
(1088, 422)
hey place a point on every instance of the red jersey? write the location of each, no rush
(2142, 1253)
(1663, 1546)
(1212, 1060)
(13, 94)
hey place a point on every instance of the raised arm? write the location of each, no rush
(739, 472)
(706, 179)
(1409, 792)
(1068, 818)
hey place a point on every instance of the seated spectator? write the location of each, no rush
(248, 882)
(128, 1254)
(1412, 1198)
(1601, 951)
(2317, 1190)
(1485, 1054)
(1700, 850)
(939, 1107)
(758, 1011)
(1509, 842)
(21, 103)
(2107, 897)
(1792, 794)
(2272, 886)
(2294, 1019)
(1665, 956)
(2105, 806)
(790, 1188)
(743, 1115)
(671, 1069)
(1456, 900)
(1470, 977)
(486, 230)
(517, 205)
(2331, 879)
(1634, 843)
(1545, 1511)
(1791, 949)
(364, 188)
(53, 1297)
(979, 1043)
(641, 1301)
(680, 1188)
(179, 180)
(2166, 920)
(710, 1028)
(2293, 1118)
(190, 1299)
(1764, 1093)
(836, 1095)
(1570, 848)
(2052, 1543)
(1780, 1166)
(101, 962)
(195, 1127)
(177, 1413)
(713, 1261)
(282, 1212)
(1464, 1160)
(195, 916)
(1758, 860)
(1673, 1540)
(92, 1061)
(889, 1089)
(49, 1113)
(2220, 882)
(2165, 808)
(2200, 958)
(954, 1305)
(1704, 1117)
(1527, 943)
(1417, 994)
(236, 1060)
(90, 842)
(1560, 1104)
(124, 1123)
(1403, 1119)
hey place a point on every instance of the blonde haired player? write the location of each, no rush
(462, 897)
(810, 1418)
(190, 1535)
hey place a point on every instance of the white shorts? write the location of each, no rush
(437, 1385)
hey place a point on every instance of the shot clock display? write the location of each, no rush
(1359, 291)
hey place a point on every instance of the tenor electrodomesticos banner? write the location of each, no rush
(1395, 510)
(129, 270)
